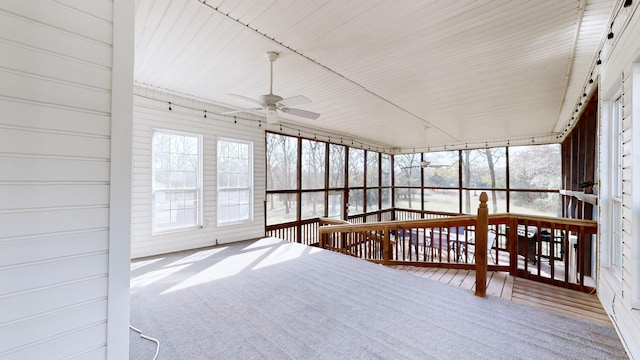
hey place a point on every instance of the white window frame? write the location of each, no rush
(222, 208)
(157, 189)
(615, 189)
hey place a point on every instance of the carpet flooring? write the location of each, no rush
(270, 299)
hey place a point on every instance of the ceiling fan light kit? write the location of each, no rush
(272, 104)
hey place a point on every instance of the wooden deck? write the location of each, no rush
(570, 302)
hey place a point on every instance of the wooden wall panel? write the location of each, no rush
(55, 155)
(150, 112)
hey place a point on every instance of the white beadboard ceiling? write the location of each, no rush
(382, 70)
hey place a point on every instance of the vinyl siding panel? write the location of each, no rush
(620, 296)
(151, 111)
(81, 344)
(55, 152)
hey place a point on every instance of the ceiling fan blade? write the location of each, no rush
(301, 113)
(247, 99)
(293, 101)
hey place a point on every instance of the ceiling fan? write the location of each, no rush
(272, 103)
(428, 164)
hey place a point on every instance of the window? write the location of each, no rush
(356, 167)
(616, 185)
(235, 181)
(484, 169)
(313, 164)
(538, 169)
(282, 157)
(176, 180)
(336, 166)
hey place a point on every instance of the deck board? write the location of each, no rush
(565, 301)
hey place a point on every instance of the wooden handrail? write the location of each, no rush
(588, 224)
(329, 221)
(460, 220)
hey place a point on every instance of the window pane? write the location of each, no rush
(313, 164)
(281, 208)
(386, 170)
(282, 157)
(408, 198)
(356, 167)
(535, 203)
(356, 202)
(484, 168)
(372, 200)
(336, 166)
(234, 180)
(373, 166)
(312, 204)
(535, 167)
(175, 209)
(471, 199)
(407, 169)
(442, 200)
(442, 169)
(386, 198)
(335, 204)
(175, 180)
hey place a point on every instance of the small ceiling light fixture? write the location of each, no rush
(205, 114)
(590, 81)
(610, 34)
(169, 105)
(627, 3)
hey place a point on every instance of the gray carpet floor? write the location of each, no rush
(270, 299)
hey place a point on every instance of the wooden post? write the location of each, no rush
(482, 226)
(386, 245)
(512, 240)
(320, 239)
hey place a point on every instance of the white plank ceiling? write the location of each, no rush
(470, 71)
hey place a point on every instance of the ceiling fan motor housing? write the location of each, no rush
(270, 99)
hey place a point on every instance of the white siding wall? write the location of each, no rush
(152, 114)
(620, 297)
(55, 153)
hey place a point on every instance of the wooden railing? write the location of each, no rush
(551, 250)
(557, 251)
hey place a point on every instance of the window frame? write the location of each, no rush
(198, 189)
(249, 187)
(615, 189)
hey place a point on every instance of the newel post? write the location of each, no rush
(482, 227)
